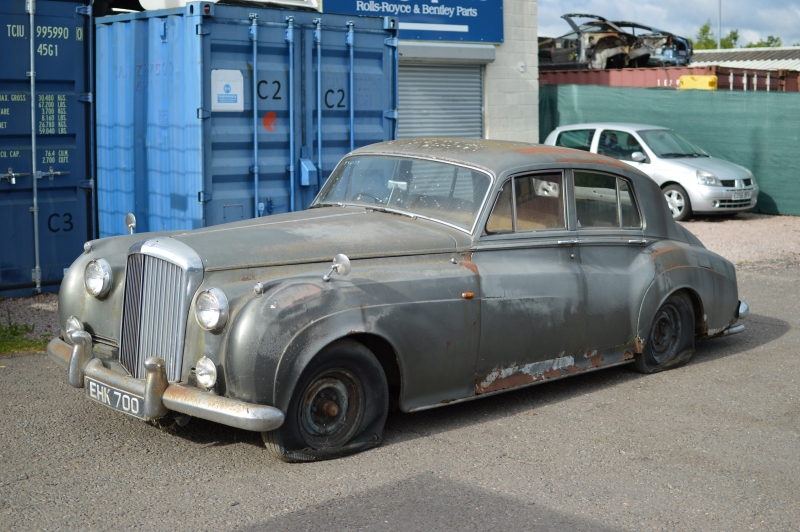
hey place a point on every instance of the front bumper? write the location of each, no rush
(712, 200)
(160, 397)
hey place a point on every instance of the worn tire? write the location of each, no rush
(678, 201)
(670, 342)
(338, 407)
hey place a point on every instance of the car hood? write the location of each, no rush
(316, 236)
(719, 167)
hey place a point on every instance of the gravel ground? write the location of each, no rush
(750, 241)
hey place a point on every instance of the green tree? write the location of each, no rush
(731, 40)
(706, 40)
(769, 42)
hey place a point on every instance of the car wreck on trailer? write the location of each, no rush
(462, 269)
(597, 44)
(676, 51)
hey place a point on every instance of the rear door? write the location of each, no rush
(609, 227)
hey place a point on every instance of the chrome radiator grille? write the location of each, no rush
(153, 320)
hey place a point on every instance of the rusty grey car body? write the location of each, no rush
(505, 295)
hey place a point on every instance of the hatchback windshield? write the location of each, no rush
(441, 191)
(665, 143)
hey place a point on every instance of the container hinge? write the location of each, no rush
(203, 196)
(84, 10)
(202, 113)
(164, 31)
(87, 184)
(50, 174)
(389, 23)
(254, 169)
(391, 114)
(202, 30)
(392, 41)
(86, 97)
(36, 275)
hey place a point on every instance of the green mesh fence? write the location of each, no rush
(758, 130)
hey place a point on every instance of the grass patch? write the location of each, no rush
(16, 338)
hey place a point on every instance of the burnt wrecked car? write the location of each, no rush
(597, 44)
(676, 51)
(461, 269)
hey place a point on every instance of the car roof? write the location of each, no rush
(608, 125)
(494, 156)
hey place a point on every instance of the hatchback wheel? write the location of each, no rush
(678, 202)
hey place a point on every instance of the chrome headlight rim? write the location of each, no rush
(220, 307)
(707, 178)
(106, 278)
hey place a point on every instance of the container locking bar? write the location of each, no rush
(50, 174)
(12, 177)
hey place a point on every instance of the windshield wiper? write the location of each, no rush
(384, 209)
(320, 205)
(678, 155)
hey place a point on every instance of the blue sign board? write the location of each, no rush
(433, 20)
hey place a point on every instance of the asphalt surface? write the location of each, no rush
(714, 445)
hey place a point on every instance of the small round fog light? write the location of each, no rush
(206, 372)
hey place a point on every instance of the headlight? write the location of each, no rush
(206, 373)
(211, 309)
(750, 174)
(707, 178)
(97, 277)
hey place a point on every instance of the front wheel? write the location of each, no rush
(338, 407)
(678, 202)
(670, 342)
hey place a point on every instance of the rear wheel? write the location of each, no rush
(670, 342)
(678, 202)
(338, 408)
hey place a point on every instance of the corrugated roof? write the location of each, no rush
(748, 54)
(774, 64)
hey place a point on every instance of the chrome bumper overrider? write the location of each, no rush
(160, 396)
(742, 310)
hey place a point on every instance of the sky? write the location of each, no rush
(755, 19)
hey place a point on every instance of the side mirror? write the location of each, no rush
(638, 157)
(130, 222)
(341, 265)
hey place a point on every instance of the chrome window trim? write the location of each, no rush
(619, 207)
(512, 178)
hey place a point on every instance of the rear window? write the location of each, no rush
(578, 139)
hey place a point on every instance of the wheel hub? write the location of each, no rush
(331, 409)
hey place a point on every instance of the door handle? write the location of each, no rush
(641, 241)
(573, 241)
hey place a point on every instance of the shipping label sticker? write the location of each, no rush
(227, 91)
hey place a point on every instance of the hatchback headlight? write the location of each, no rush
(97, 277)
(707, 178)
(211, 309)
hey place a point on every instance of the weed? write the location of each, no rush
(16, 338)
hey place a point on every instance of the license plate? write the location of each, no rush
(743, 194)
(114, 398)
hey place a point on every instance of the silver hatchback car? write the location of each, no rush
(693, 182)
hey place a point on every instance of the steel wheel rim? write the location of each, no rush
(331, 409)
(676, 202)
(666, 334)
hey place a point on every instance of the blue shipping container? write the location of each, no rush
(175, 120)
(61, 44)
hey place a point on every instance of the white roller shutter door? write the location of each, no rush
(439, 100)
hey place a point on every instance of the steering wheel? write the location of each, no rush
(375, 198)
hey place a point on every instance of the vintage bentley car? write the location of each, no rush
(463, 268)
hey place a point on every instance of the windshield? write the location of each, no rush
(666, 143)
(441, 191)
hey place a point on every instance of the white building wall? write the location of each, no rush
(511, 95)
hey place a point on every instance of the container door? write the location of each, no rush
(62, 150)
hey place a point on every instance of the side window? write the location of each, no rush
(578, 139)
(618, 144)
(603, 200)
(538, 205)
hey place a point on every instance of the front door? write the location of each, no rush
(532, 289)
